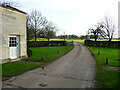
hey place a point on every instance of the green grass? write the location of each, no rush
(13, 69)
(44, 39)
(81, 41)
(105, 39)
(39, 39)
(110, 53)
(106, 79)
(48, 53)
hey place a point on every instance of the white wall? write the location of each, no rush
(13, 23)
(0, 34)
(0, 48)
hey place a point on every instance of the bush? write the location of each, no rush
(111, 44)
(45, 43)
(29, 52)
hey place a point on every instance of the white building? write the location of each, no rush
(12, 34)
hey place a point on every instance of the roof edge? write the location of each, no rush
(12, 8)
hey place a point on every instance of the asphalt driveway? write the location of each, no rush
(76, 69)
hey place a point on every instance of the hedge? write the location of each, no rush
(45, 43)
(111, 44)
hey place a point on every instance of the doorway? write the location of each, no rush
(14, 47)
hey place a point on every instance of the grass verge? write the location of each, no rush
(81, 41)
(49, 54)
(104, 78)
(15, 68)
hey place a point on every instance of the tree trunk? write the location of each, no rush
(35, 36)
(110, 40)
(95, 38)
(48, 39)
(35, 31)
(64, 38)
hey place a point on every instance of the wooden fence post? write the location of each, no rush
(42, 58)
(58, 51)
(106, 60)
(98, 52)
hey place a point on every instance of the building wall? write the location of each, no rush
(119, 19)
(0, 34)
(13, 23)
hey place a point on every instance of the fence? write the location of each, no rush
(112, 44)
(45, 43)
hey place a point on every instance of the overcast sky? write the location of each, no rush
(73, 16)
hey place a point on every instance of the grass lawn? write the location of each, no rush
(13, 69)
(81, 41)
(44, 39)
(39, 39)
(104, 78)
(105, 39)
(48, 53)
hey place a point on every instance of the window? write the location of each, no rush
(12, 42)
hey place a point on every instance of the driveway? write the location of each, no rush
(76, 69)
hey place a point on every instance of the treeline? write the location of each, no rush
(75, 37)
(67, 36)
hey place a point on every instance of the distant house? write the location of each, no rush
(13, 44)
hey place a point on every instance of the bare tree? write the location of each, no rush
(30, 30)
(64, 35)
(9, 3)
(50, 30)
(108, 28)
(96, 31)
(36, 22)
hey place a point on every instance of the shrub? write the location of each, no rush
(111, 44)
(45, 43)
(29, 52)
